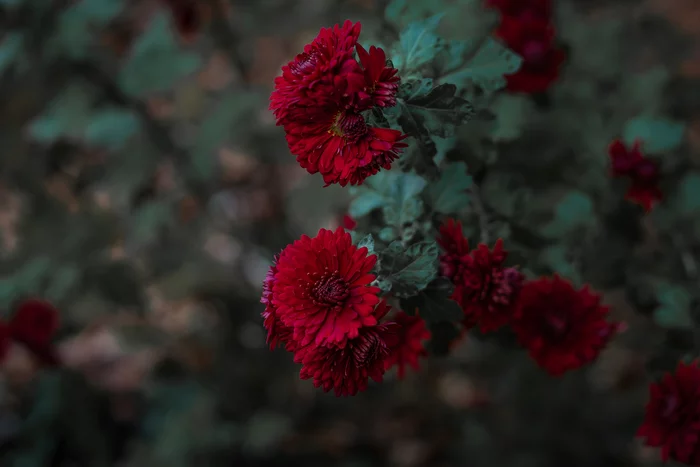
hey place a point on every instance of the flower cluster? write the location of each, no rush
(484, 289)
(643, 173)
(672, 418)
(527, 29)
(320, 98)
(320, 305)
(562, 328)
(33, 325)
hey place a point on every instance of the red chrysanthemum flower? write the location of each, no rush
(325, 76)
(623, 160)
(562, 328)
(320, 289)
(454, 246)
(533, 40)
(319, 99)
(343, 147)
(381, 81)
(523, 9)
(411, 334)
(349, 223)
(672, 417)
(34, 322)
(277, 333)
(347, 369)
(485, 290)
(644, 173)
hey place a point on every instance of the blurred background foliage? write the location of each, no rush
(144, 189)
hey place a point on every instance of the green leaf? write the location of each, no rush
(656, 134)
(688, 198)
(27, 280)
(384, 285)
(443, 146)
(367, 242)
(434, 303)
(674, 306)
(437, 112)
(417, 46)
(75, 31)
(365, 203)
(402, 202)
(449, 194)
(409, 270)
(229, 118)
(574, 211)
(63, 280)
(388, 234)
(512, 113)
(396, 192)
(156, 62)
(149, 220)
(65, 117)
(10, 49)
(428, 114)
(485, 68)
(32, 274)
(402, 11)
(111, 127)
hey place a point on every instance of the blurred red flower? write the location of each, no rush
(411, 333)
(347, 369)
(523, 9)
(533, 40)
(562, 328)
(34, 325)
(644, 173)
(318, 291)
(484, 289)
(349, 223)
(5, 340)
(672, 417)
(34, 322)
(188, 17)
(319, 99)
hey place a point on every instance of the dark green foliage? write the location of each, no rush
(450, 194)
(156, 62)
(434, 303)
(436, 112)
(396, 193)
(409, 270)
(367, 242)
(483, 64)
